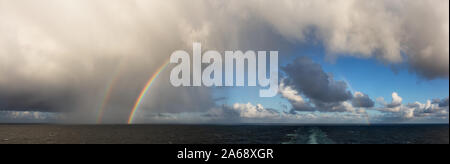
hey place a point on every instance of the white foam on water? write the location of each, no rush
(312, 139)
(317, 136)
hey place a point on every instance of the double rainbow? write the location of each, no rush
(143, 93)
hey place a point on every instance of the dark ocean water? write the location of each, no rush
(214, 134)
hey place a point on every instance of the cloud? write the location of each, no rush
(323, 93)
(309, 78)
(396, 101)
(54, 58)
(344, 106)
(59, 56)
(431, 109)
(249, 113)
(394, 106)
(306, 77)
(242, 112)
(29, 117)
(296, 100)
(361, 100)
(442, 103)
(415, 32)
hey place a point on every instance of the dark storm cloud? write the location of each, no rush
(310, 79)
(30, 97)
(362, 100)
(33, 102)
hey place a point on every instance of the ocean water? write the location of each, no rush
(220, 134)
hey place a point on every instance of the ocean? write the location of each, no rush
(223, 134)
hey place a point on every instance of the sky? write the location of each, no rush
(340, 61)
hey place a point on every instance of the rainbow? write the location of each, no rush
(106, 98)
(107, 95)
(145, 90)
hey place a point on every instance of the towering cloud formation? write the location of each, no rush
(396, 101)
(394, 106)
(61, 55)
